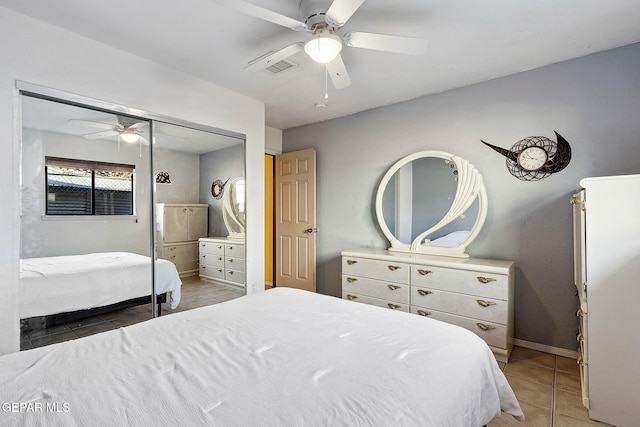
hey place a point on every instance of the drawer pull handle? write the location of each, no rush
(485, 303)
(172, 248)
(219, 270)
(204, 266)
(579, 313)
(423, 293)
(485, 327)
(230, 272)
(393, 287)
(485, 279)
(351, 262)
(351, 297)
(424, 313)
(393, 267)
(219, 247)
(393, 306)
(230, 260)
(351, 279)
(172, 257)
(424, 272)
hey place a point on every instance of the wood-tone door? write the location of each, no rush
(295, 219)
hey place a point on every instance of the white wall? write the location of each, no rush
(273, 140)
(70, 236)
(594, 102)
(41, 54)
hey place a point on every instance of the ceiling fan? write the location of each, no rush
(323, 18)
(126, 128)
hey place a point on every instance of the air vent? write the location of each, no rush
(281, 66)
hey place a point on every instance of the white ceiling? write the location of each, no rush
(469, 41)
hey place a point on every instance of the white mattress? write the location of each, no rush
(283, 357)
(60, 284)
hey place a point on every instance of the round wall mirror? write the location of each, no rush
(233, 208)
(431, 202)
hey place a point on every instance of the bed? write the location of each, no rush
(71, 283)
(282, 357)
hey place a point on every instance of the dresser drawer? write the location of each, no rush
(232, 263)
(380, 270)
(234, 276)
(211, 260)
(236, 251)
(211, 248)
(395, 292)
(375, 301)
(485, 309)
(211, 272)
(485, 285)
(494, 334)
(184, 251)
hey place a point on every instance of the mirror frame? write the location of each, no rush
(469, 188)
(229, 214)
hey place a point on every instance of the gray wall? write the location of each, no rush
(220, 164)
(594, 102)
(184, 170)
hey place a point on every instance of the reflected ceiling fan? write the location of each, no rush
(126, 128)
(323, 18)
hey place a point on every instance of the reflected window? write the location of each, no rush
(80, 187)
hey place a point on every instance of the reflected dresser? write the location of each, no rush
(222, 260)
(476, 294)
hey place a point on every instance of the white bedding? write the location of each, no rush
(282, 357)
(61, 284)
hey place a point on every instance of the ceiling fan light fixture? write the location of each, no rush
(130, 136)
(323, 47)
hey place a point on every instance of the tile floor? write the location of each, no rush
(195, 293)
(548, 389)
(547, 386)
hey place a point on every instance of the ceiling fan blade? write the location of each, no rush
(340, 11)
(338, 73)
(98, 125)
(274, 57)
(98, 135)
(396, 44)
(138, 125)
(264, 14)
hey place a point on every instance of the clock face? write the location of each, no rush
(532, 158)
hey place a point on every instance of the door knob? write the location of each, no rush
(311, 230)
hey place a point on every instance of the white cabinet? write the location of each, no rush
(476, 294)
(178, 228)
(606, 270)
(222, 260)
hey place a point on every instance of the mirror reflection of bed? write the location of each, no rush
(87, 231)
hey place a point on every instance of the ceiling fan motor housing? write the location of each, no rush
(313, 13)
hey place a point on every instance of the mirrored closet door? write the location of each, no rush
(94, 256)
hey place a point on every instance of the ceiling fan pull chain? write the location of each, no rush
(326, 78)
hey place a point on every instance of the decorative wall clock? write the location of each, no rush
(217, 188)
(536, 157)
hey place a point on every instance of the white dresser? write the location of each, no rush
(607, 276)
(222, 260)
(178, 228)
(474, 293)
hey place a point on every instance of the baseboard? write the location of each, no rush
(546, 348)
(268, 285)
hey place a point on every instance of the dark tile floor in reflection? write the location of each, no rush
(195, 293)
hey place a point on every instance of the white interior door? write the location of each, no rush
(295, 219)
